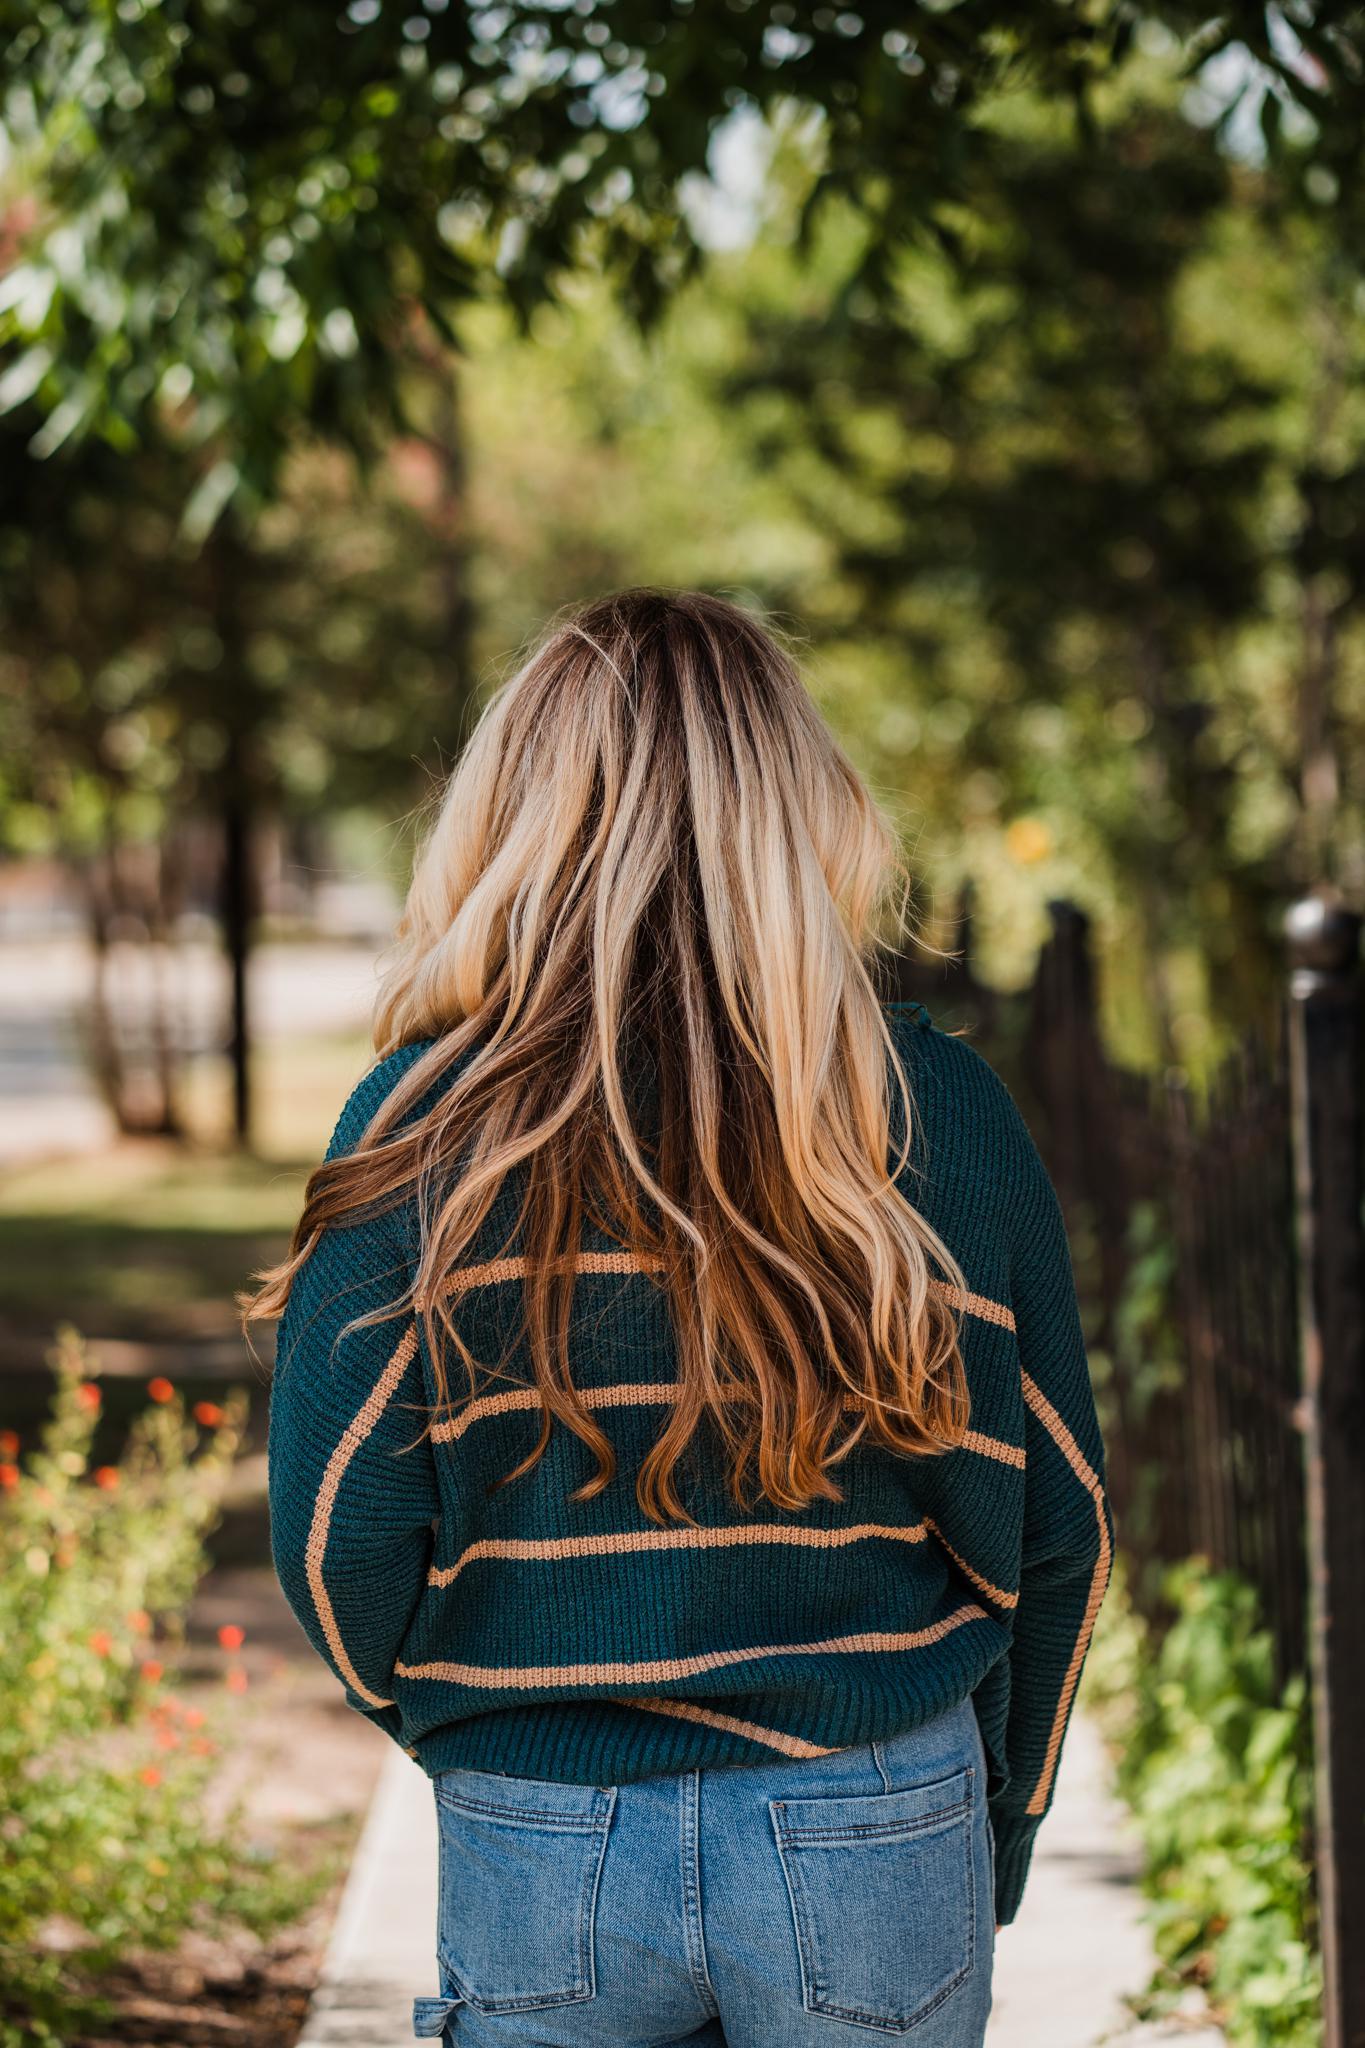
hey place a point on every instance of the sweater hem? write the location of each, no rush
(617, 1740)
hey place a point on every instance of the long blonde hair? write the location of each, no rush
(653, 839)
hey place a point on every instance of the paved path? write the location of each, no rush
(1061, 1970)
(381, 1953)
(49, 1104)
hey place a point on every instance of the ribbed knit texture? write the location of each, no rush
(515, 1629)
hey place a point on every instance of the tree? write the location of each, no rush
(1051, 517)
(240, 221)
(1093, 487)
(242, 204)
(115, 718)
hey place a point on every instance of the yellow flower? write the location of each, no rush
(1028, 840)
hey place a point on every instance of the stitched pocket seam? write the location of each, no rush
(876, 1831)
(525, 1816)
(815, 1997)
(584, 1986)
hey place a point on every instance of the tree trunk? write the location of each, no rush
(235, 911)
(236, 810)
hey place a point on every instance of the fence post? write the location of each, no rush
(1327, 1020)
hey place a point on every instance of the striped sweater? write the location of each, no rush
(515, 1629)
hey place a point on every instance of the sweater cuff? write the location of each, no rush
(1014, 1839)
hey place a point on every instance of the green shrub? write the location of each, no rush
(1216, 1763)
(104, 1845)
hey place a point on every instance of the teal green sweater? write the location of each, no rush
(515, 1629)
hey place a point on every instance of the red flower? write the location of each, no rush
(194, 1717)
(101, 1643)
(9, 1477)
(230, 1636)
(106, 1476)
(152, 1671)
(89, 1397)
(9, 1443)
(160, 1390)
(150, 1775)
(207, 1414)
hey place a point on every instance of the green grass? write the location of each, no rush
(151, 1240)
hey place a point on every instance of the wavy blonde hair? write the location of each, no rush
(653, 839)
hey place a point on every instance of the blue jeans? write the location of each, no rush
(782, 1905)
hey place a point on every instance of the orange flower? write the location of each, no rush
(9, 1477)
(101, 1643)
(166, 1738)
(230, 1636)
(150, 1775)
(152, 1671)
(106, 1476)
(139, 1621)
(194, 1717)
(237, 1680)
(9, 1443)
(88, 1395)
(160, 1390)
(207, 1414)
(201, 1746)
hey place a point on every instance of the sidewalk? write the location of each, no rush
(49, 1103)
(1060, 1975)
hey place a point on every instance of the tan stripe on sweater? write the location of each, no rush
(979, 1305)
(524, 1400)
(625, 1542)
(996, 1593)
(648, 1394)
(385, 1387)
(1089, 1479)
(664, 1670)
(496, 1272)
(993, 1447)
(774, 1738)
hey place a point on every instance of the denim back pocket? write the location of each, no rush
(520, 1864)
(883, 1898)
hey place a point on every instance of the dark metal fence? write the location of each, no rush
(1221, 1354)
(1181, 1216)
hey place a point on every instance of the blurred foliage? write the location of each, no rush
(1074, 531)
(1025, 373)
(120, 647)
(243, 204)
(107, 1848)
(1216, 1763)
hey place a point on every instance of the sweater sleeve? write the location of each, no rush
(353, 1495)
(1067, 1534)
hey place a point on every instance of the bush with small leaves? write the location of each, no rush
(105, 1847)
(1214, 1757)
